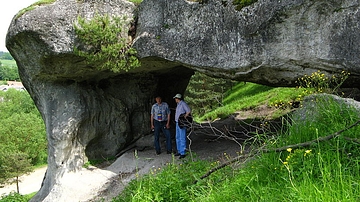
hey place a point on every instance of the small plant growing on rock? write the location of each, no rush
(33, 6)
(243, 3)
(105, 44)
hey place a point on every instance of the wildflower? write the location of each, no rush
(289, 150)
(288, 158)
(285, 162)
(307, 152)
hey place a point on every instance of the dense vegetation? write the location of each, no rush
(22, 135)
(8, 70)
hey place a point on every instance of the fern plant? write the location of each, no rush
(105, 44)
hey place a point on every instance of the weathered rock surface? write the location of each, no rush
(94, 114)
(270, 42)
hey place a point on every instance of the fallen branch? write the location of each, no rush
(224, 165)
(306, 144)
(260, 151)
(352, 140)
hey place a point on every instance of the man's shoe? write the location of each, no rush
(182, 156)
(169, 152)
(158, 153)
(177, 154)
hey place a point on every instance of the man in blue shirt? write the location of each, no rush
(181, 108)
(160, 121)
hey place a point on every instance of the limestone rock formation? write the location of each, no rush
(94, 114)
(269, 42)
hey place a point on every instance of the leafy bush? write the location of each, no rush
(104, 43)
(14, 197)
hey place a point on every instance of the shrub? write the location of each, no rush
(104, 43)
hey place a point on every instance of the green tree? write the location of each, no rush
(205, 93)
(25, 132)
(22, 128)
(9, 73)
(15, 102)
(13, 164)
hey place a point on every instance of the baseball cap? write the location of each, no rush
(177, 96)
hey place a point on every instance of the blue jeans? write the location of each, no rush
(161, 126)
(180, 139)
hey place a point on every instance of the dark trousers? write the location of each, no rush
(161, 126)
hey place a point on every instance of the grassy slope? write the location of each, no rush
(245, 96)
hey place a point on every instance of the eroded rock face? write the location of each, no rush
(94, 114)
(270, 42)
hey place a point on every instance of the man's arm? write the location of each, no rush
(168, 121)
(152, 120)
(187, 110)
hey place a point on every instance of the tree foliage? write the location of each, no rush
(13, 164)
(9, 73)
(22, 135)
(205, 93)
(105, 43)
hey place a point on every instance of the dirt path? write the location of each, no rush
(28, 183)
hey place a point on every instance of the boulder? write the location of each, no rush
(93, 114)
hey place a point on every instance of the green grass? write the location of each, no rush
(245, 96)
(322, 171)
(9, 63)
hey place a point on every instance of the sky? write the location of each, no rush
(8, 10)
